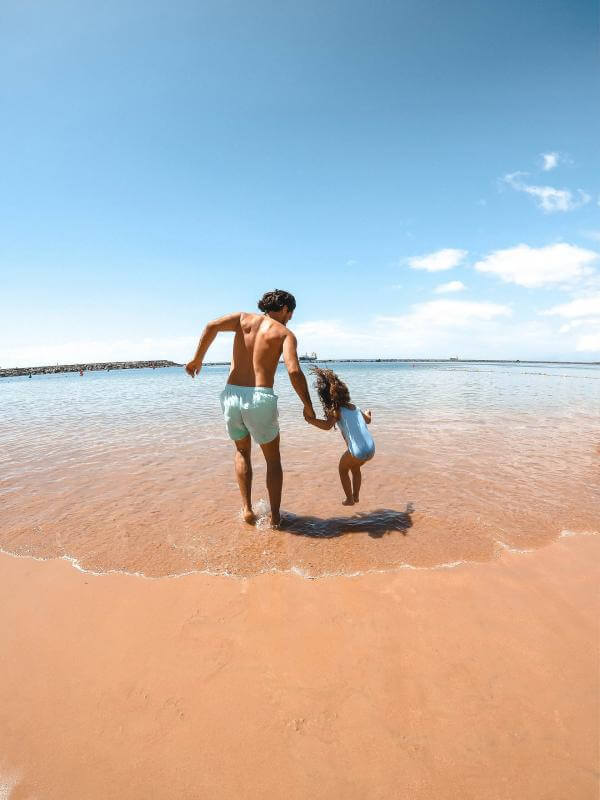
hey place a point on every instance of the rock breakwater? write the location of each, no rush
(93, 367)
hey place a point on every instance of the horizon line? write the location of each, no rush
(98, 366)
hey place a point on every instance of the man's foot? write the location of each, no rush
(275, 521)
(356, 498)
(249, 516)
(349, 501)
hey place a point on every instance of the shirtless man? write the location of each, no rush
(248, 402)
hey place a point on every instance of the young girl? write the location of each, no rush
(335, 398)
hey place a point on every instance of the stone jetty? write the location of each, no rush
(95, 367)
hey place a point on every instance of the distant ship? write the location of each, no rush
(308, 357)
(454, 358)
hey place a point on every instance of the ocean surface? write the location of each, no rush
(132, 470)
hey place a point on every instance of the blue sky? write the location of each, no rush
(164, 163)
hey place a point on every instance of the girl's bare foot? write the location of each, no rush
(356, 498)
(249, 516)
(275, 521)
(349, 501)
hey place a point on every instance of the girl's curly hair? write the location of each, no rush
(332, 391)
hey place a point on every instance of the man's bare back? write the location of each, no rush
(257, 347)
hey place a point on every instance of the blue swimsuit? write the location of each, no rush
(355, 432)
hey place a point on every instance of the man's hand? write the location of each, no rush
(193, 368)
(308, 412)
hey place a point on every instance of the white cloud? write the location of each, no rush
(452, 286)
(539, 266)
(578, 323)
(447, 313)
(437, 328)
(433, 329)
(351, 262)
(333, 338)
(322, 329)
(583, 312)
(439, 260)
(440, 328)
(589, 343)
(179, 349)
(550, 160)
(548, 198)
(582, 307)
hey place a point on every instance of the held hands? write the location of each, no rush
(308, 413)
(193, 368)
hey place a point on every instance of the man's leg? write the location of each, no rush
(243, 472)
(274, 477)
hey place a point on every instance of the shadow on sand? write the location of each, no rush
(375, 523)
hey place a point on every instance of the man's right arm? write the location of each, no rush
(297, 379)
(230, 322)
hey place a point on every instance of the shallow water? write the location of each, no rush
(132, 470)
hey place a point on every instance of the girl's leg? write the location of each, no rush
(356, 481)
(344, 468)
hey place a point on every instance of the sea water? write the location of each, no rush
(132, 470)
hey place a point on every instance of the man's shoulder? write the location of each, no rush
(248, 319)
(273, 327)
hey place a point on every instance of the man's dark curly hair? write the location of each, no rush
(332, 391)
(276, 299)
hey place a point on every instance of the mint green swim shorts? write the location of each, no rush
(250, 410)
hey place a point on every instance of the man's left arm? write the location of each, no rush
(297, 379)
(230, 322)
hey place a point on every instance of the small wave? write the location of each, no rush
(7, 784)
(509, 549)
(525, 372)
(296, 570)
(262, 508)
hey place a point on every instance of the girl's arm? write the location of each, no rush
(367, 416)
(323, 424)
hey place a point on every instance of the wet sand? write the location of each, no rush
(479, 681)
(429, 497)
(133, 472)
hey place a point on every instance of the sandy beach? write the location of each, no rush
(479, 681)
